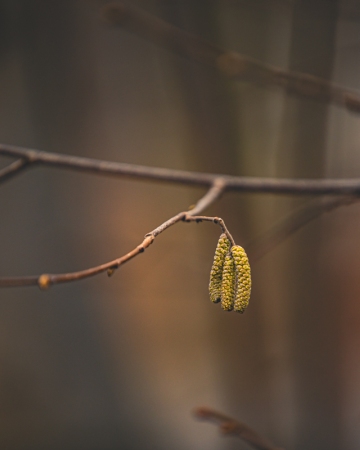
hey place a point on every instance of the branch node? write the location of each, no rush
(44, 281)
(32, 156)
(149, 239)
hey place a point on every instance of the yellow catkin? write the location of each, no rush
(228, 284)
(243, 278)
(222, 249)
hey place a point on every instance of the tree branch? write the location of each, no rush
(232, 183)
(265, 243)
(217, 183)
(230, 426)
(13, 169)
(46, 280)
(233, 65)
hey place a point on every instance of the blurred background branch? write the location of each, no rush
(297, 219)
(232, 64)
(13, 169)
(231, 426)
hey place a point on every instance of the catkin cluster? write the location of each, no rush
(230, 277)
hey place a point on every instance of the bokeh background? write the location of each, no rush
(121, 362)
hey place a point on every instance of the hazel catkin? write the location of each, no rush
(228, 284)
(216, 274)
(243, 278)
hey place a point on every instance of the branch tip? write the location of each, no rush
(200, 412)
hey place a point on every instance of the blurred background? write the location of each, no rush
(121, 362)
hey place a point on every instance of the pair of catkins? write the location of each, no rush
(230, 279)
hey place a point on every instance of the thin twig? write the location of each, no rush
(265, 243)
(46, 280)
(232, 183)
(13, 169)
(230, 426)
(231, 64)
(213, 194)
(218, 187)
(216, 220)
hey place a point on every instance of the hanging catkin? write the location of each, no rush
(243, 278)
(228, 284)
(216, 274)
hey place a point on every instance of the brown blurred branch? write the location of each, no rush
(264, 244)
(13, 169)
(230, 426)
(232, 183)
(234, 65)
(46, 280)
